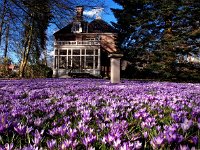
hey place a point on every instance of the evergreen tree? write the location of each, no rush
(158, 33)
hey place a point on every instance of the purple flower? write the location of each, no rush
(72, 132)
(65, 144)
(116, 143)
(58, 130)
(110, 138)
(37, 137)
(91, 148)
(126, 146)
(4, 123)
(186, 124)
(88, 140)
(30, 147)
(21, 129)
(156, 142)
(137, 115)
(38, 121)
(74, 144)
(184, 147)
(51, 144)
(104, 139)
(194, 139)
(8, 146)
(28, 129)
(145, 134)
(198, 122)
(117, 134)
(137, 145)
(198, 125)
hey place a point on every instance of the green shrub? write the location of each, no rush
(39, 71)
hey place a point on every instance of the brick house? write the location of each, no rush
(83, 47)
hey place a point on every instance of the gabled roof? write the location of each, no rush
(96, 26)
(67, 29)
(100, 26)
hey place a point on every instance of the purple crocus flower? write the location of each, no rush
(65, 144)
(38, 121)
(137, 145)
(4, 123)
(104, 139)
(90, 148)
(30, 147)
(145, 134)
(88, 140)
(198, 123)
(28, 129)
(37, 137)
(173, 137)
(156, 142)
(8, 146)
(126, 146)
(117, 133)
(58, 130)
(116, 143)
(74, 144)
(186, 124)
(184, 147)
(109, 138)
(72, 132)
(194, 139)
(51, 144)
(21, 129)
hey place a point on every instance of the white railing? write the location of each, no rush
(77, 43)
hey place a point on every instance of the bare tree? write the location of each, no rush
(2, 19)
(27, 20)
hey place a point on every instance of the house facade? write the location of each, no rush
(83, 47)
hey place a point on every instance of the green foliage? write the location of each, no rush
(41, 15)
(39, 71)
(154, 36)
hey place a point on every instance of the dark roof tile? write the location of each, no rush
(96, 26)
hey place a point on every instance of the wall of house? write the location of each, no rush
(65, 59)
(108, 42)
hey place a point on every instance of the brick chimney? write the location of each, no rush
(79, 13)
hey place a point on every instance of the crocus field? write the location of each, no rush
(88, 114)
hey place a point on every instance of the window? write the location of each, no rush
(96, 51)
(69, 64)
(76, 51)
(56, 62)
(82, 62)
(76, 62)
(63, 52)
(89, 62)
(56, 52)
(76, 27)
(89, 52)
(62, 63)
(96, 62)
(83, 52)
(69, 51)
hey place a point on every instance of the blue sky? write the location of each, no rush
(108, 15)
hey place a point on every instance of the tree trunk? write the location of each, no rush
(7, 40)
(25, 56)
(45, 56)
(2, 19)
